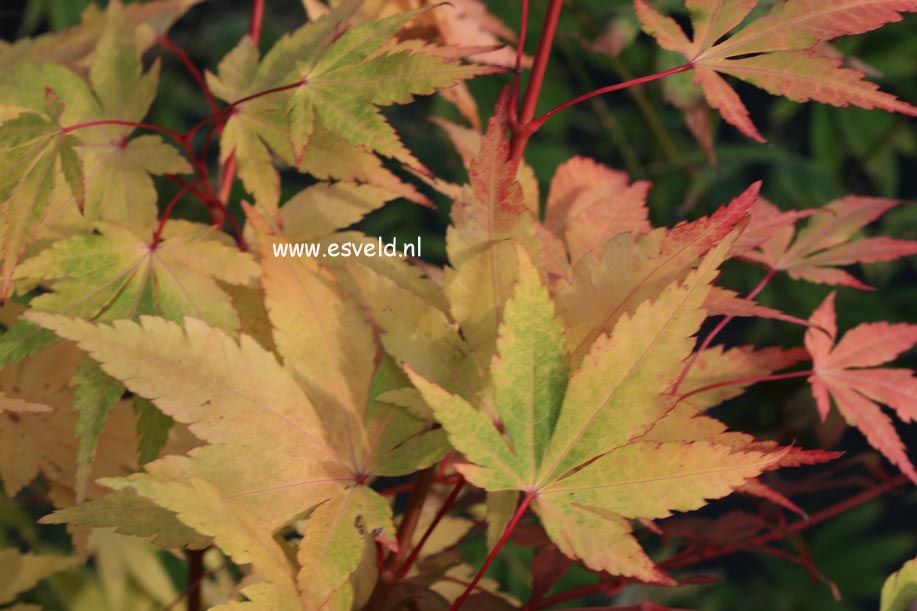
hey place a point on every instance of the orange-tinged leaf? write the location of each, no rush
(570, 446)
(845, 373)
(627, 273)
(589, 203)
(775, 52)
(814, 252)
(716, 365)
(728, 303)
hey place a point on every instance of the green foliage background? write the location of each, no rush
(816, 153)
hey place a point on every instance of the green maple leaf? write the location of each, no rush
(114, 274)
(573, 447)
(46, 167)
(343, 80)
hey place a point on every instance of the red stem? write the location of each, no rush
(521, 133)
(520, 51)
(195, 576)
(257, 20)
(192, 69)
(157, 236)
(520, 511)
(202, 197)
(409, 562)
(158, 128)
(693, 557)
(539, 66)
(525, 129)
(223, 111)
(603, 587)
(750, 380)
(537, 123)
(716, 330)
(422, 484)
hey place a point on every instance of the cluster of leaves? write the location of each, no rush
(173, 383)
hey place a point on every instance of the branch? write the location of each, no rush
(409, 562)
(520, 511)
(689, 558)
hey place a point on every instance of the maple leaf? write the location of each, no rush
(116, 274)
(815, 252)
(464, 23)
(40, 440)
(846, 373)
(491, 220)
(613, 282)
(588, 204)
(98, 168)
(322, 209)
(343, 80)
(119, 186)
(572, 446)
(717, 364)
(318, 433)
(775, 52)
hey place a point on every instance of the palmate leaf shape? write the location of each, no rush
(119, 186)
(846, 372)
(628, 271)
(817, 251)
(96, 169)
(776, 51)
(73, 46)
(573, 447)
(116, 274)
(312, 424)
(464, 23)
(344, 75)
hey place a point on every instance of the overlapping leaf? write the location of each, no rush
(73, 47)
(312, 423)
(36, 158)
(846, 372)
(613, 282)
(573, 446)
(816, 252)
(343, 80)
(52, 169)
(776, 52)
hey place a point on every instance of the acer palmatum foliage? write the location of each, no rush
(549, 386)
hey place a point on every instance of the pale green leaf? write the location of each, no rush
(117, 275)
(900, 589)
